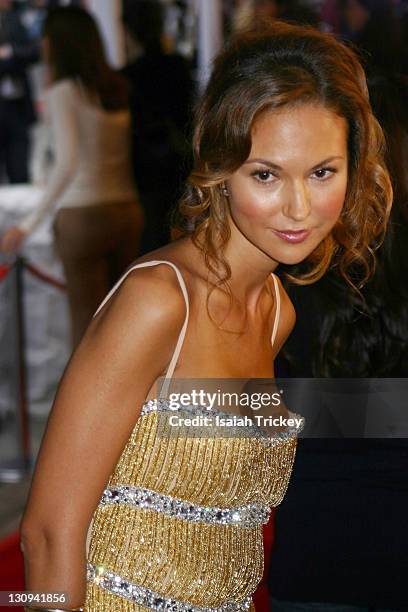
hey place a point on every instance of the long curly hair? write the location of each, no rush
(263, 70)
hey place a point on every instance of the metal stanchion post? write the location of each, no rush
(16, 445)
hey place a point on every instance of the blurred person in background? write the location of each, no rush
(259, 11)
(98, 219)
(17, 52)
(161, 103)
(347, 504)
(296, 11)
(266, 9)
(372, 26)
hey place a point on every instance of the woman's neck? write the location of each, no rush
(250, 268)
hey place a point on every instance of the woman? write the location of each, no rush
(288, 167)
(98, 221)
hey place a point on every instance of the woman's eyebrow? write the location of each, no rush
(326, 161)
(270, 164)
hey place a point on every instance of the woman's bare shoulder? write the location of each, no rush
(182, 254)
(147, 296)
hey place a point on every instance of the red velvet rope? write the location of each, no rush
(4, 270)
(44, 276)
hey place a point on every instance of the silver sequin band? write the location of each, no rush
(149, 599)
(249, 515)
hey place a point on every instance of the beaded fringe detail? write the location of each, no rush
(149, 599)
(205, 563)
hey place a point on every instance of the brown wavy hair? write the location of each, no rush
(77, 52)
(259, 71)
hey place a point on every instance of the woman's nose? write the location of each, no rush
(297, 202)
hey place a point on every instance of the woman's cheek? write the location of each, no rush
(252, 205)
(331, 204)
(246, 207)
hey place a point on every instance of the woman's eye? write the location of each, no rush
(264, 176)
(324, 173)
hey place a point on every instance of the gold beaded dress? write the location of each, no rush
(179, 526)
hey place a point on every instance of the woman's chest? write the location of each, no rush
(209, 361)
(237, 348)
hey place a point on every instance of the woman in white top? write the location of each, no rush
(98, 218)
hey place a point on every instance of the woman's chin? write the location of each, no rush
(290, 259)
(294, 254)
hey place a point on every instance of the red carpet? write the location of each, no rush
(12, 568)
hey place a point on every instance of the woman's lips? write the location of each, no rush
(292, 236)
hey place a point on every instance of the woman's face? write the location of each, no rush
(355, 15)
(290, 192)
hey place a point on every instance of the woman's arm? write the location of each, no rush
(62, 109)
(63, 116)
(123, 352)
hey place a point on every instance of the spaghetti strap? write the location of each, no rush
(173, 362)
(277, 313)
